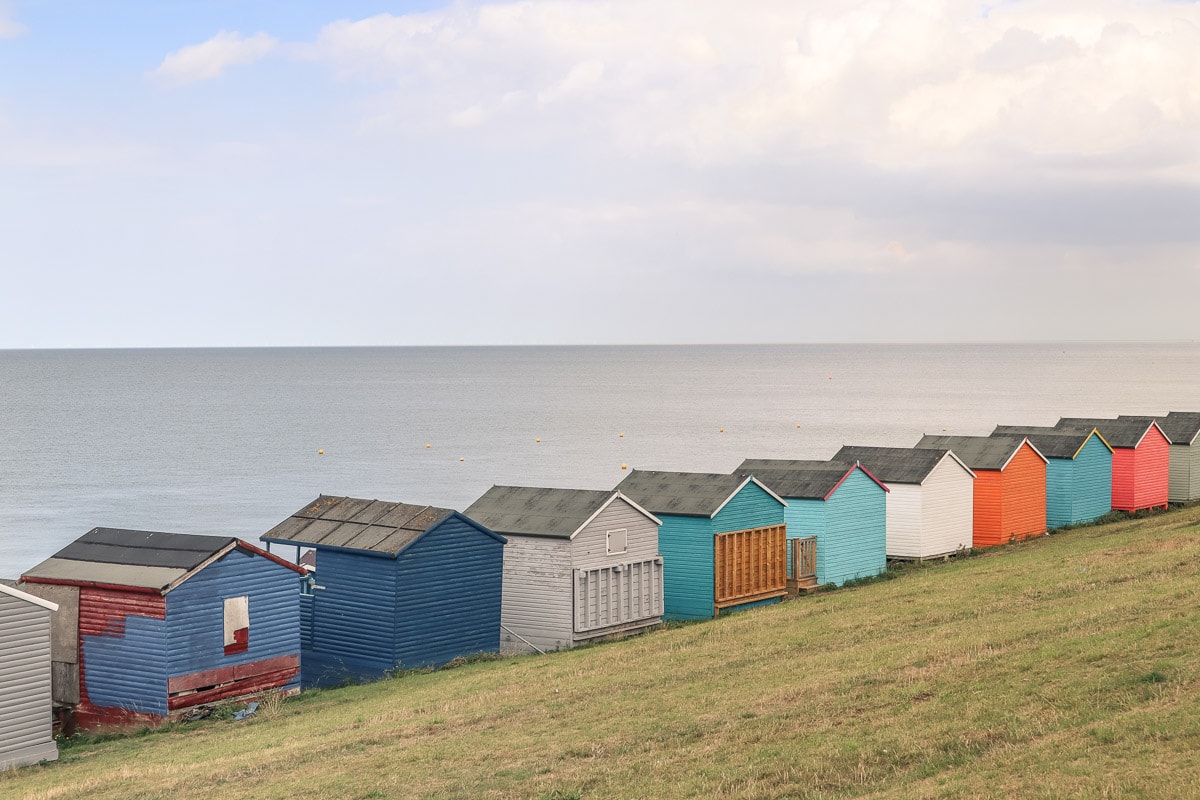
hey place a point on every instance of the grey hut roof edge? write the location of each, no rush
(353, 524)
(1054, 442)
(12, 591)
(982, 452)
(900, 464)
(813, 480)
(687, 494)
(154, 561)
(1180, 427)
(545, 511)
(1124, 433)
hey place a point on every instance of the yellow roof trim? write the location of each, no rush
(1095, 432)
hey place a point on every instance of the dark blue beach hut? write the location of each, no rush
(162, 622)
(1078, 472)
(723, 540)
(842, 505)
(392, 586)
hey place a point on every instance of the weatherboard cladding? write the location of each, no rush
(26, 723)
(947, 510)
(1183, 430)
(1078, 472)
(686, 538)
(1141, 459)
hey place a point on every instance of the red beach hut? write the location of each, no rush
(1141, 459)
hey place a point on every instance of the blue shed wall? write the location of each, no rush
(856, 531)
(807, 518)
(448, 594)
(128, 671)
(1093, 482)
(686, 544)
(750, 508)
(1060, 492)
(195, 614)
(353, 619)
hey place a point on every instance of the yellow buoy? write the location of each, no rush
(428, 445)
(320, 452)
(537, 440)
(624, 466)
(797, 424)
(621, 435)
(722, 430)
(462, 459)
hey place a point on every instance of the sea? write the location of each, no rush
(232, 441)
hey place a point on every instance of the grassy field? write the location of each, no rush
(1068, 666)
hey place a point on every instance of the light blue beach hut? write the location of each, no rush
(843, 505)
(1078, 472)
(723, 540)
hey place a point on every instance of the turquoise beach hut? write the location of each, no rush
(723, 540)
(843, 505)
(1078, 472)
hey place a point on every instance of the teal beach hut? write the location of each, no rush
(843, 505)
(1078, 472)
(723, 540)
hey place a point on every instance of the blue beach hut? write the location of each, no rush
(1078, 472)
(392, 585)
(843, 505)
(723, 540)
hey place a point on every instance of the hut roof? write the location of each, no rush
(540, 511)
(1180, 427)
(898, 464)
(141, 559)
(1053, 442)
(350, 523)
(687, 494)
(980, 452)
(1127, 432)
(815, 482)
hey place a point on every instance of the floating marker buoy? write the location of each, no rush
(722, 430)
(537, 440)
(427, 445)
(621, 435)
(462, 459)
(624, 466)
(797, 424)
(320, 452)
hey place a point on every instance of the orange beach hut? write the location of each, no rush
(1010, 485)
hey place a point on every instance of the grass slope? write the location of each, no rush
(1061, 667)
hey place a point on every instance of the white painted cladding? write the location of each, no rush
(933, 518)
(542, 576)
(26, 734)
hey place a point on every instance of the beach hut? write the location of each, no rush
(1078, 472)
(1140, 463)
(394, 586)
(723, 540)
(842, 505)
(26, 707)
(930, 503)
(1183, 430)
(1009, 497)
(579, 565)
(168, 621)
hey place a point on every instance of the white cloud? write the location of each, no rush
(9, 27)
(209, 59)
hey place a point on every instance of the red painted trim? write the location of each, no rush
(234, 672)
(241, 642)
(116, 587)
(259, 551)
(847, 475)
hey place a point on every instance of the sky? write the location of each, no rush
(269, 173)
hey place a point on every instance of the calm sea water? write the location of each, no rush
(226, 441)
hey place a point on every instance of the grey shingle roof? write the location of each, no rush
(537, 511)
(813, 482)
(1053, 442)
(145, 559)
(1181, 427)
(689, 494)
(977, 452)
(354, 524)
(1126, 432)
(894, 464)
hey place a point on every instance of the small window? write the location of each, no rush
(237, 625)
(618, 541)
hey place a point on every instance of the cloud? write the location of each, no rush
(9, 27)
(209, 59)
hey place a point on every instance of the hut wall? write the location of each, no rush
(1060, 492)
(195, 624)
(947, 509)
(448, 595)
(353, 629)
(856, 521)
(1092, 496)
(26, 735)
(123, 656)
(537, 594)
(903, 520)
(1023, 496)
(1184, 479)
(622, 591)
(752, 507)
(988, 525)
(808, 517)
(1151, 478)
(686, 544)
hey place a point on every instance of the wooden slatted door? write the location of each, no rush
(750, 565)
(803, 561)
